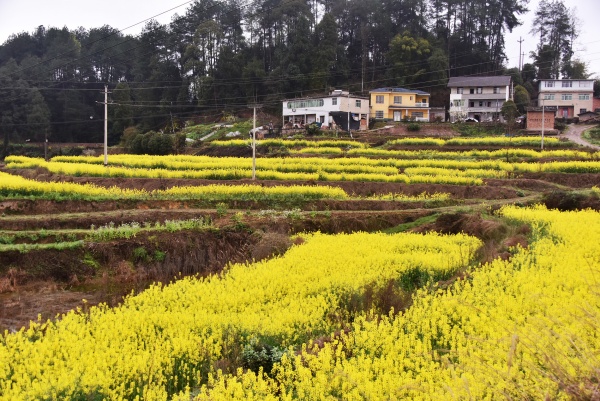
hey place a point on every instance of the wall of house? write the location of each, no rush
(306, 115)
(534, 120)
(406, 107)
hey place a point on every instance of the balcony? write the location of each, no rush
(484, 96)
(421, 104)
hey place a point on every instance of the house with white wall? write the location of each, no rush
(301, 111)
(567, 97)
(480, 98)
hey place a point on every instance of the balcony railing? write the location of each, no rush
(417, 104)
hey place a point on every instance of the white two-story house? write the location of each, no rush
(566, 97)
(479, 98)
(301, 111)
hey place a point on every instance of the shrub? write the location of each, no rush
(558, 125)
(413, 127)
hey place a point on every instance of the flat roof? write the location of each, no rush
(497, 80)
(399, 90)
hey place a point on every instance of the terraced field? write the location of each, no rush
(343, 272)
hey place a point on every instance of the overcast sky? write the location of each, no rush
(25, 15)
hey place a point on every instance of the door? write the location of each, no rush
(397, 116)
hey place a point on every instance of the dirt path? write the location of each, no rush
(573, 133)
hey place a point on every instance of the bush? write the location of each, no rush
(151, 143)
(558, 125)
(413, 127)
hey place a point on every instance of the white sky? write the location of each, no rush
(587, 46)
(26, 15)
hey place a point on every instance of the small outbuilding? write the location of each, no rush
(538, 119)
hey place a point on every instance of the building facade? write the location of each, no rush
(302, 111)
(570, 96)
(479, 98)
(538, 120)
(399, 104)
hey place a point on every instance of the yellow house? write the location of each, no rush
(399, 104)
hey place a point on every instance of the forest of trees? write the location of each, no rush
(223, 54)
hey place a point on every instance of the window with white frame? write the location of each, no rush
(379, 114)
(567, 84)
(496, 89)
(459, 91)
(417, 114)
(334, 101)
(379, 99)
(479, 91)
(357, 103)
(566, 96)
(549, 84)
(397, 99)
(585, 84)
(549, 96)
(584, 97)
(301, 104)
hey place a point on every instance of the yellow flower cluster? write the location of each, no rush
(12, 186)
(164, 341)
(510, 153)
(309, 168)
(484, 141)
(522, 329)
(293, 143)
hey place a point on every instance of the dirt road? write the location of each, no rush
(573, 133)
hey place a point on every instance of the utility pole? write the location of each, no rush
(349, 131)
(254, 106)
(105, 103)
(521, 40)
(46, 144)
(105, 125)
(542, 124)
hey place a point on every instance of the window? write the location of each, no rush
(480, 103)
(379, 99)
(417, 114)
(549, 96)
(567, 84)
(566, 97)
(581, 111)
(585, 84)
(379, 114)
(496, 89)
(397, 99)
(471, 104)
(459, 103)
(334, 101)
(549, 84)
(584, 97)
(358, 103)
(479, 91)
(472, 91)
(489, 104)
(302, 104)
(459, 91)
